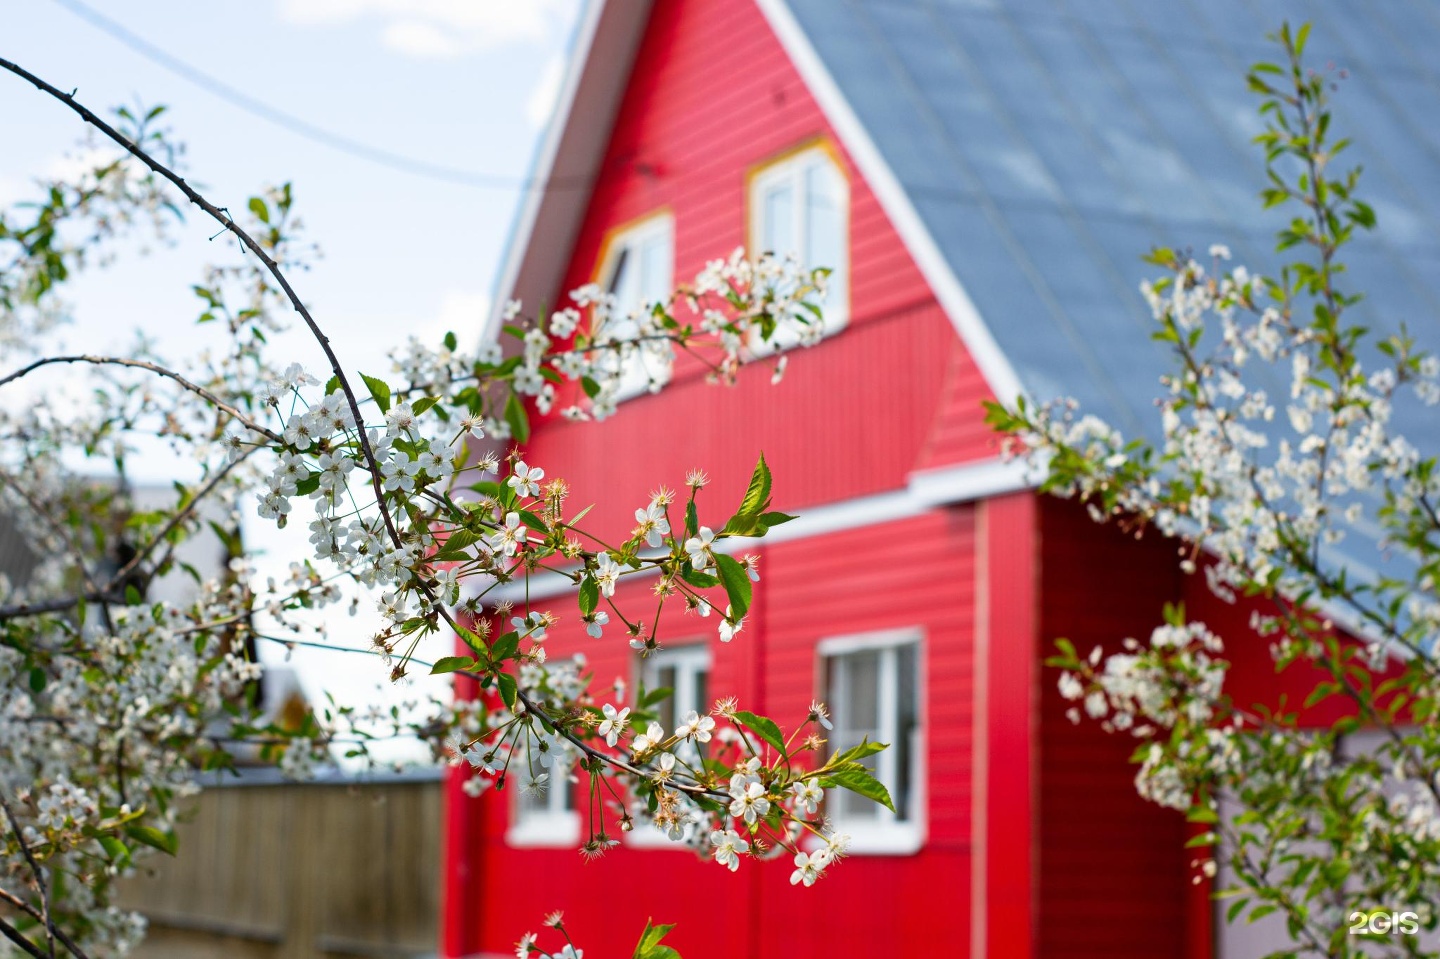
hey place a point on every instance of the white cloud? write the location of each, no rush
(12, 190)
(68, 166)
(461, 312)
(422, 40)
(440, 29)
(541, 102)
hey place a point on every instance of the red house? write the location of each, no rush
(983, 179)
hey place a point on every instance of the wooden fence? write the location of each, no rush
(285, 871)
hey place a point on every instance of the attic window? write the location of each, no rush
(637, 269)
(800, 204)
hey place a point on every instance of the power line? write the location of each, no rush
(296, 125)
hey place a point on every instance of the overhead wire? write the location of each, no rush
(306, 129)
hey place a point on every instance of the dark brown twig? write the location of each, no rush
(223, 218)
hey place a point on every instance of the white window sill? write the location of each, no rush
(878, 839)
(557, 830)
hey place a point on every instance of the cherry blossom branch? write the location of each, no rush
(158, 370)
(107, 593)
(35, 868)
(32, 912)
(224, 219)
(609, 760)
(180, 516)
(11, 933)
(60, 531)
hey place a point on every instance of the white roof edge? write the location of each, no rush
(992, 362)
(964, 483)
(606, 40)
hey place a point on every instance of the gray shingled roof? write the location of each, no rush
(1047, 144)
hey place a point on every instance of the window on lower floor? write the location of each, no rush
(872, 687)
(544, 812)
(686, 671)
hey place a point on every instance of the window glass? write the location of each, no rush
(638, 271)
(799, 206)
(686, 670)
(554, 794)
(874, 693)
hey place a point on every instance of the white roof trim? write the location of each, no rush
(993, 363)
(926, 491)
(606, 41)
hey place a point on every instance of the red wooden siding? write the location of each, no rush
(1113, 879)
(712, 95)
(919, 573)
(1007, 670)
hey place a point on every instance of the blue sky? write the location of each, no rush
(467, 84)
(461, 83)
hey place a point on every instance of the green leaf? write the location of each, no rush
(533, 521)
(505, 647)
(770, 520)
(150, 836)
(757, 496)
(37, 679)
(308, 485)
(261, 211)
(860, 781)
(450, 664)
(332, 385)
(518, 419)
(473, 640)
(1260, 912)
(379, 392)
(507, 688)
(422, 404)
(589, 595)
(698, 579)
(857, 753)
(765, 728)
(450, 341)
(114, 848)
(737, 583)
(653, 696)
(649, 945)
(1203, 814)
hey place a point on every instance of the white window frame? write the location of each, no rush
(632, 236)
(550, 826)
(789, 170)
(885, 834)
(690, 658)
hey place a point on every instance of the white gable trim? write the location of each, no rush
(571, 153)
(925, 491)
(993, 363)
(523, 228)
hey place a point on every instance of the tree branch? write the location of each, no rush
(223, 218)
(31, 911)
(153, 368)
(13, 934)
(36, 868)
